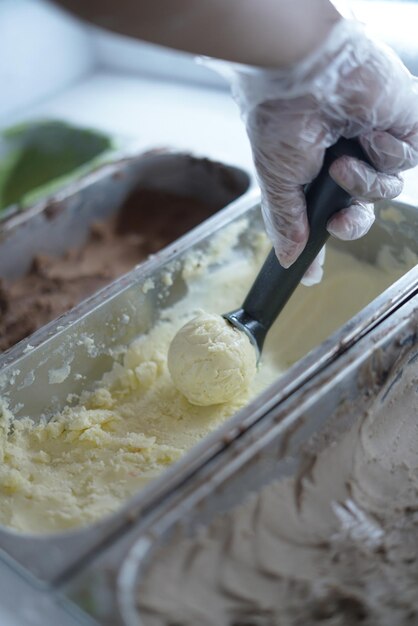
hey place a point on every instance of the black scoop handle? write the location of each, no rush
(274, 284)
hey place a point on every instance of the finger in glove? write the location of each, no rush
(314, 273)
(389, 153)
(363, 181)
(353, 222)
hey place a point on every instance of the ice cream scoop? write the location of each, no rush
(275, 284)
(199, 363)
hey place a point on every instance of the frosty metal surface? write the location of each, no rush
(322, 410)
(57, 224)
(24, 371)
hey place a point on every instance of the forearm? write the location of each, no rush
(267, 33)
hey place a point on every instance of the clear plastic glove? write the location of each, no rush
(352, 86)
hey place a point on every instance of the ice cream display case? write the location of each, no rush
(95, 382)
(128, 205)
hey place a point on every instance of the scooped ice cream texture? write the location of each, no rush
(211, 361)
(335, 544)
(97, 452)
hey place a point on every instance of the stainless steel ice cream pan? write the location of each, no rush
(61, 222)
(283, 444)
(64, 347)
(61, 251)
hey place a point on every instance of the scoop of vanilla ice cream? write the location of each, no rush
(210, 361)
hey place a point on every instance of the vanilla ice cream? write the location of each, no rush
(95, 453)
(211, 361)
(335, 544)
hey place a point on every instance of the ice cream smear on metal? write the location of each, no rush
(125, 429)
(211, 361)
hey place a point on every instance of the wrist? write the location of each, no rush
(273, 34)
(317, 74)
(304, 25)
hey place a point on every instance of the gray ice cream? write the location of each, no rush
(335, 545)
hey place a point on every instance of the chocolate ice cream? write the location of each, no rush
(147, 222)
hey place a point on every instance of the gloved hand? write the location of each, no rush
(351, 86)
